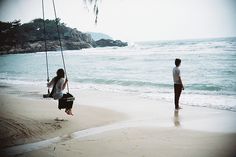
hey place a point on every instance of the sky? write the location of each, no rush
(135, 20)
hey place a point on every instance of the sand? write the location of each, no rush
(113, 124)
(26, 120)
(145, 142)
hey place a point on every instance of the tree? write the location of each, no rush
(95, 7)
(8, 32)
(12, 33)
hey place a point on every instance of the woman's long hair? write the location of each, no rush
(60, 74)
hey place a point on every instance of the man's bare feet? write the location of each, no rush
(179, 108)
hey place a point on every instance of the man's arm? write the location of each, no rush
(181, 82)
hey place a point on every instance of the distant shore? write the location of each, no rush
(32, 47)
(30, 37)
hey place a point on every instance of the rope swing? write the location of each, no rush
(45, 43)
(66, 101)
(59, 38)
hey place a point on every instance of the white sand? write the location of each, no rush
(122, 125)
(27, 120)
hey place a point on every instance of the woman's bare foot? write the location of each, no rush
(69, 112)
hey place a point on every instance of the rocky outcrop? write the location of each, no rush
(39, 46)
(29, 37)
(71, 45)
(108, 42)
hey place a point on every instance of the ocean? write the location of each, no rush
(208, 70)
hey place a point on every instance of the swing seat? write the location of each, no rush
(66, 102)
(47, 95)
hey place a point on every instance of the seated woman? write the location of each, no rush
(59, 84)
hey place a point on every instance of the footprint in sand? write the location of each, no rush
(60, 119)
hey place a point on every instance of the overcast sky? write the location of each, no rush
(135, 20)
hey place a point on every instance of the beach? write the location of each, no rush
(148, 78)
(123, 102)
(111, 124)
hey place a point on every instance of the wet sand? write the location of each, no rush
(113, 124)
(144, 142)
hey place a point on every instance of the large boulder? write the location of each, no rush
(109, 42)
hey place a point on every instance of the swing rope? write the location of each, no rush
(45, 43)
(59, 38)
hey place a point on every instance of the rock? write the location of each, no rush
(109, 42)
(70, 45)
(25, 38)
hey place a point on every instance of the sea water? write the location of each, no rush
(208, 70)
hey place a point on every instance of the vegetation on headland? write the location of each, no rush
(29, 37)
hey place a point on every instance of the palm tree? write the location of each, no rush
(94, 3)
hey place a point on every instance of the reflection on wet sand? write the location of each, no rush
(176, 118)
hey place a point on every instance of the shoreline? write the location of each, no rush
(133, 106)
(36, 91)
(113, 116)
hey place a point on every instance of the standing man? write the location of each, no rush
(178, 85)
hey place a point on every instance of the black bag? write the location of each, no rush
(66, 101)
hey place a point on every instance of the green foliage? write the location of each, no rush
(8, 32)
(14, 33)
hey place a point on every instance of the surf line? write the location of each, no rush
(20, 149)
